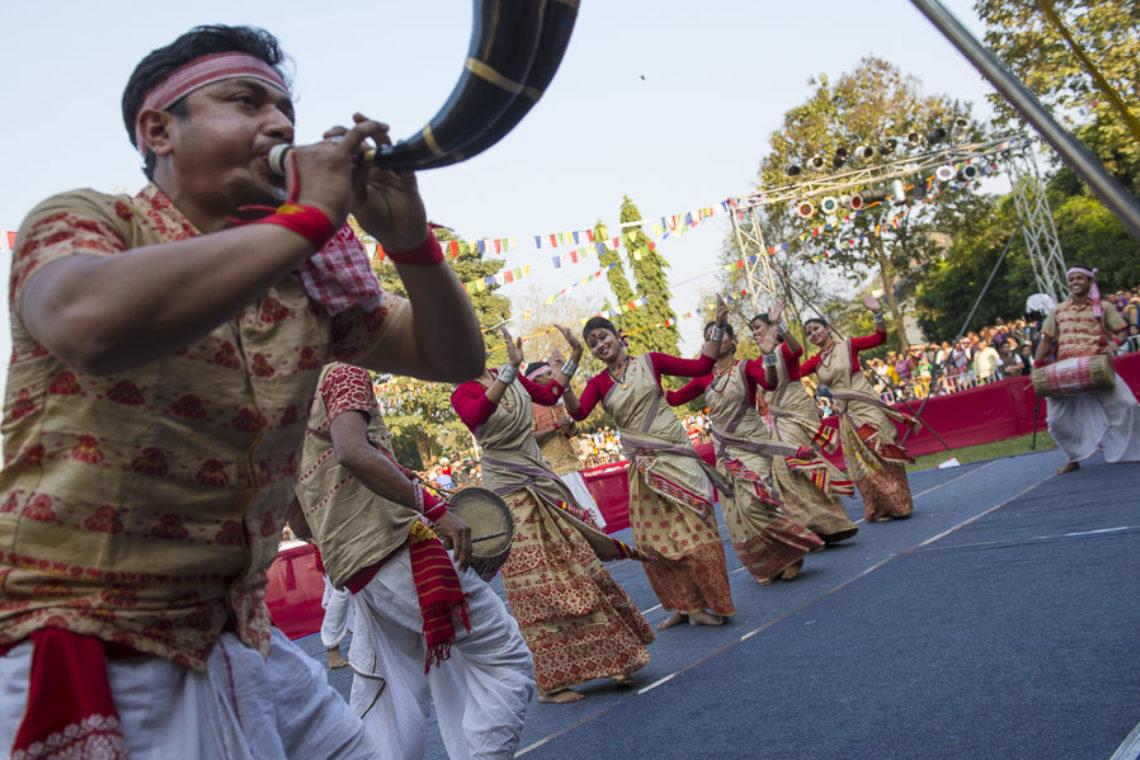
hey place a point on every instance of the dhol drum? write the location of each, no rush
(492, 528)
(1077, 375)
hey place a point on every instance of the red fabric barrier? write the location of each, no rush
(295, 590)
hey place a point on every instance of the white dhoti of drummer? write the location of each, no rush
(1106, 419)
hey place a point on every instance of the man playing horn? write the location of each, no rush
(1108, 419)
(163, 361)
(426, 631)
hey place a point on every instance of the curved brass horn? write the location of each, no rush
(516, 47)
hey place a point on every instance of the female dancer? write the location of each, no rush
(769, 544)
(809, 491)
(865, 428)
(577, 621)
(670, 496)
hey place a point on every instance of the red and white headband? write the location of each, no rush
(201, 72)
(1094, 291)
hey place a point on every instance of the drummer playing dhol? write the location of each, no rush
(427, 628)
(1107, 419)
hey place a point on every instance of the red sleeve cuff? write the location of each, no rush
(428, 253)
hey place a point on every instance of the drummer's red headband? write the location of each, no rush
(201, 72)
(1094, 291)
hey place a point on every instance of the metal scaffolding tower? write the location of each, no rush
(1038, 229)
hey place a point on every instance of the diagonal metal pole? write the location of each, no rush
(1071, 150)
(962, 331)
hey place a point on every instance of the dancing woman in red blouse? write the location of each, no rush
(869, 437)
(670, 486)
(577, 621)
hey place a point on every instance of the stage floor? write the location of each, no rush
(1001, 620)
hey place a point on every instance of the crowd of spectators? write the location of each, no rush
(993, 353)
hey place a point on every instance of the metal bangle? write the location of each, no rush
(879, 318)
(569, 367)
(717, 334)
(508, 373)
(781, 329)
(770, 360)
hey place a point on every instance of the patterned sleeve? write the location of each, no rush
(1114, 324)
(82, 222)
(348, 389)
(1050, 326)
(356, 332)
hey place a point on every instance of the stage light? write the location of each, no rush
(913, 139)
(968, 173)
(864, 153)
(805, 209)
(793, 170)
(898, 190)
(845, 201)
(817, 163)
(839, 158)
(888, 146)
(944, 173)
(938, 134)
(828, 204)
(961, 128)
(865, 198)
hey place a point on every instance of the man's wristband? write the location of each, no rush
(428, 253)
(307, 221)
(508, 374)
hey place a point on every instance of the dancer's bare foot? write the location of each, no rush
(705, 618)
(624, 681)
(336, 659)
(560, 697)
(675, 619)
(1069, 467)
(791, 571)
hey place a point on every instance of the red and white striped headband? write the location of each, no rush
(201, 72)
(1090, 273)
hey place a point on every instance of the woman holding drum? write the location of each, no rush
(868, 435)
(768, 543)
(1099, 410)
(670, 486)
(577, 621)
(809, 491)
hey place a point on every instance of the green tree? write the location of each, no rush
(647, 322)
(418, 413)
(1106, 30)
(867, 106)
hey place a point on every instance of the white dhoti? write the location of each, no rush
(339, 615)
(577, 485)
(242, 707)
(480, 693)
(1108, 419)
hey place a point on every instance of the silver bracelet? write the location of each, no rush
(781, 329)
(569, 367)
(508, 374)
(770, 360)
(717, 334)
(879, 318)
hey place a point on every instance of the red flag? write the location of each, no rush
(554, 239)
(590, 235)
(652, 246)
(454, 246)
(617, 242)
(508, 276)
(498, 245)
(11, 241)
(574, 256)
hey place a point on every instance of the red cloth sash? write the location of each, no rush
(442, 600)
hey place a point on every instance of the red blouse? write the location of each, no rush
(857, 345)
(470, 401)
(753, 370)
(663, 364)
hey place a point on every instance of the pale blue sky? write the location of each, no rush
(718, 78)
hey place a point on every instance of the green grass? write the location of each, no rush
(995, 450)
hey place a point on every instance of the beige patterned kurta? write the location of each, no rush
(577, 621)
(145, 506)
(670, 497)
(794, 417)
(869, 438)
